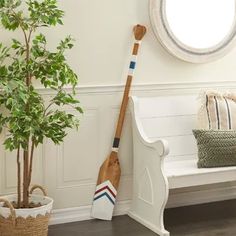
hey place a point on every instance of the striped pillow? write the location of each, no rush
(218, 111)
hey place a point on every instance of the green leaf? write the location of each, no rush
(79, 109)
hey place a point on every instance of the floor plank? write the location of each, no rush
(121, 225)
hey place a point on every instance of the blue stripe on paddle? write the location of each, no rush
(102, 195)
(132, 65)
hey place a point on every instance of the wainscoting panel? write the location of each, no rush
(69, 171)
(79, 149)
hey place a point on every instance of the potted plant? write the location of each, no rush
(25, 116)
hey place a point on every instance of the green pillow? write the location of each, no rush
(216, 148)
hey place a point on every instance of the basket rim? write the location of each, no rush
(29, 211)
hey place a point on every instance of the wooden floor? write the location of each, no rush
(215, 219)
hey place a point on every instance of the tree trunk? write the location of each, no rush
(18, 179)
(26, 179)
(31, 162)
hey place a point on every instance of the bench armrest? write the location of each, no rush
(161, 146)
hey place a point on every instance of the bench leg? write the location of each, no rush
(154, 228)
(150, 189)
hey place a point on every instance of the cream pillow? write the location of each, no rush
(217, 111)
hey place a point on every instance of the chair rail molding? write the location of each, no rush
(146, 87)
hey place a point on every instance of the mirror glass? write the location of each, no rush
(200, 23)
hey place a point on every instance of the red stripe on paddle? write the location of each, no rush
(106, 187)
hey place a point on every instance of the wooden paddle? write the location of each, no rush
(109, 174)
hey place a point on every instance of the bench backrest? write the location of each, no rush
(171, 118)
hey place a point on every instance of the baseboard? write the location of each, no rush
(74, 214)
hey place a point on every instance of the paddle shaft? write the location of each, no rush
(125, 100)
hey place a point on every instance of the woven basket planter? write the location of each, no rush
(25, 222)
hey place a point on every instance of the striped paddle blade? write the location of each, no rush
(106, 190)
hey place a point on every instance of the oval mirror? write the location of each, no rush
(197, 31)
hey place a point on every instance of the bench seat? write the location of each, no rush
(185, 173)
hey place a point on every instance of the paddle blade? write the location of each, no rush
(106, 189)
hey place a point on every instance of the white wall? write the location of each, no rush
(103, 33)
(103, 30)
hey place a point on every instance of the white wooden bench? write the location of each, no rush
(165, 156)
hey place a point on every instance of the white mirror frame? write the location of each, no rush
(175, 47)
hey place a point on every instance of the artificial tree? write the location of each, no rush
(25, 116)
